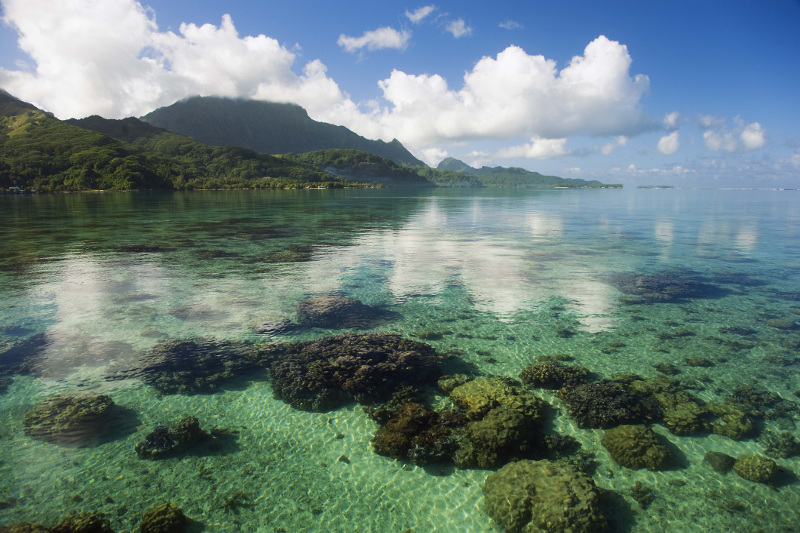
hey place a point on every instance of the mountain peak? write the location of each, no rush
(267, 127)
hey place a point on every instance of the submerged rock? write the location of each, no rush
(720, 462)
(164, 518)
(165, 441)
(322, 374)
(83, 523)
(196, 365)
(481, 395)
(637, 446)
(605, 404)
(553, 375)
(70, 419)
(755, 468)
(666, 286)
(336, 312)
(543, 496)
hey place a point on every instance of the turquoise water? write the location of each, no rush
(89, 282)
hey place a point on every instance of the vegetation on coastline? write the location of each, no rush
(39, 152)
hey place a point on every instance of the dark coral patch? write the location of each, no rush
(322, 374)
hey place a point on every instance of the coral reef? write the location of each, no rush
(605, 404)
(683, 414)
(420, 434)
(165, 441)
(755, 468)
(197, 365)
(666, 286)
(83, 523)
(503, 434)
(164, 518)
(642, 494)
(481, 395)
(335, 312)
(69, 419)
(781, 446)
(543, 496)
(553, 375)
(637, 446)
(24, 527)
(732, 421)
(322, 374)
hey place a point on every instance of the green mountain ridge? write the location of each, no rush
(267, 127)
(38, 151)
(517, 177)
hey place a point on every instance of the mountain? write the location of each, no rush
(266, 127)
(353, 165)
(516, 177)
(455, 165)
(38, 151)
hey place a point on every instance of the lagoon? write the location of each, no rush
(492, 279)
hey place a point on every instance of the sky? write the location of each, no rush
(686, 93)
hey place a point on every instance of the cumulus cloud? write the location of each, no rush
(376, 40)
(418, 14)
(743, 137)
(458, 28)
(671, 120)
(607, 148)
(516, 93)
(510, 25)
(538, 148)
(110, 58)
(669, 144)
(753, 136)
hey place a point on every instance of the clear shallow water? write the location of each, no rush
(105, 276)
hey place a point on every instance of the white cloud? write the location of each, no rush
(519, 94)
(434, 156)
(510, 25)
(110, 58)
(752, 136)
(744, 137)
(671, 120)
(458, 28)
(418, 14)
(669, 144)
(538, 148)
(376, 40)
(607, 148)
(719, 141)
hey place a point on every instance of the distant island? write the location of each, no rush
(220, 143)
(655, 187)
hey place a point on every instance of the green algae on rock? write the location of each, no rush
(542, 496)
(69, 419)
(481, 395)
(637, 446)
(164, 518)
(755, 468)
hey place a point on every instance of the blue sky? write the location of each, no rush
(686, 93)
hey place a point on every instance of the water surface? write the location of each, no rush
(494, 278)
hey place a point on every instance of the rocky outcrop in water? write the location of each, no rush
(69, 419)
(337, 312)
(166, 441)
(543, 496)
(322, 374)
(637, 446)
